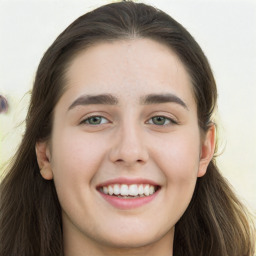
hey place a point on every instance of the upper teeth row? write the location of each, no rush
(129, 190)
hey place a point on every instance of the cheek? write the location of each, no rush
(76, 156)
(178, 156)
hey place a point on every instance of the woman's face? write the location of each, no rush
(126, 149)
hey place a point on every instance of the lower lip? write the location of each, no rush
(128, 203)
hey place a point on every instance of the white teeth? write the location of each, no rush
(146, 190)
(125, 190)
(133, 190)
(110, 190)
(151, 190)
(116, 189)
(105, 190)
(141, 190)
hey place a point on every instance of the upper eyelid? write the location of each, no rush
(93, 114)
(163, 114)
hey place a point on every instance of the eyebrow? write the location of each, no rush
(162, 98)
(103, 99)
(109, 99)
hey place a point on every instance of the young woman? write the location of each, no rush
(118, 153)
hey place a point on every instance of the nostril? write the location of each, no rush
(129, 162)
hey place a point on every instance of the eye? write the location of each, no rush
(95, 120)
(161, 120)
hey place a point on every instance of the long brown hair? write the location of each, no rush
(215, 222)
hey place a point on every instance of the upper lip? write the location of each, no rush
(128, 181)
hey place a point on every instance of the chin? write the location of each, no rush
(130, 242)
(132, 239)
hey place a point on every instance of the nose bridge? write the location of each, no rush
(129, 147)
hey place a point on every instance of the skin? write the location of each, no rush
(127, 143)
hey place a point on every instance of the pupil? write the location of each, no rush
(95, 120)
(159, 120)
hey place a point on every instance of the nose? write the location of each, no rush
(129, 147)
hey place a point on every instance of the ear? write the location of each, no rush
(43, 160)
(207, 150)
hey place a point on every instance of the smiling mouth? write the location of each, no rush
(126, 191)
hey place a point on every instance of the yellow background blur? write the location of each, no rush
(224, 29)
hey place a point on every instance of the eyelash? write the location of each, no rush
(170, 120)
(86, 121)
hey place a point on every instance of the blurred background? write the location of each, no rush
(224, 29)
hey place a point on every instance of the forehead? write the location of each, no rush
(129, 68)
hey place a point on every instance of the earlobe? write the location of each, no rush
(46, 173)
(43, 160)
(207, 150)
